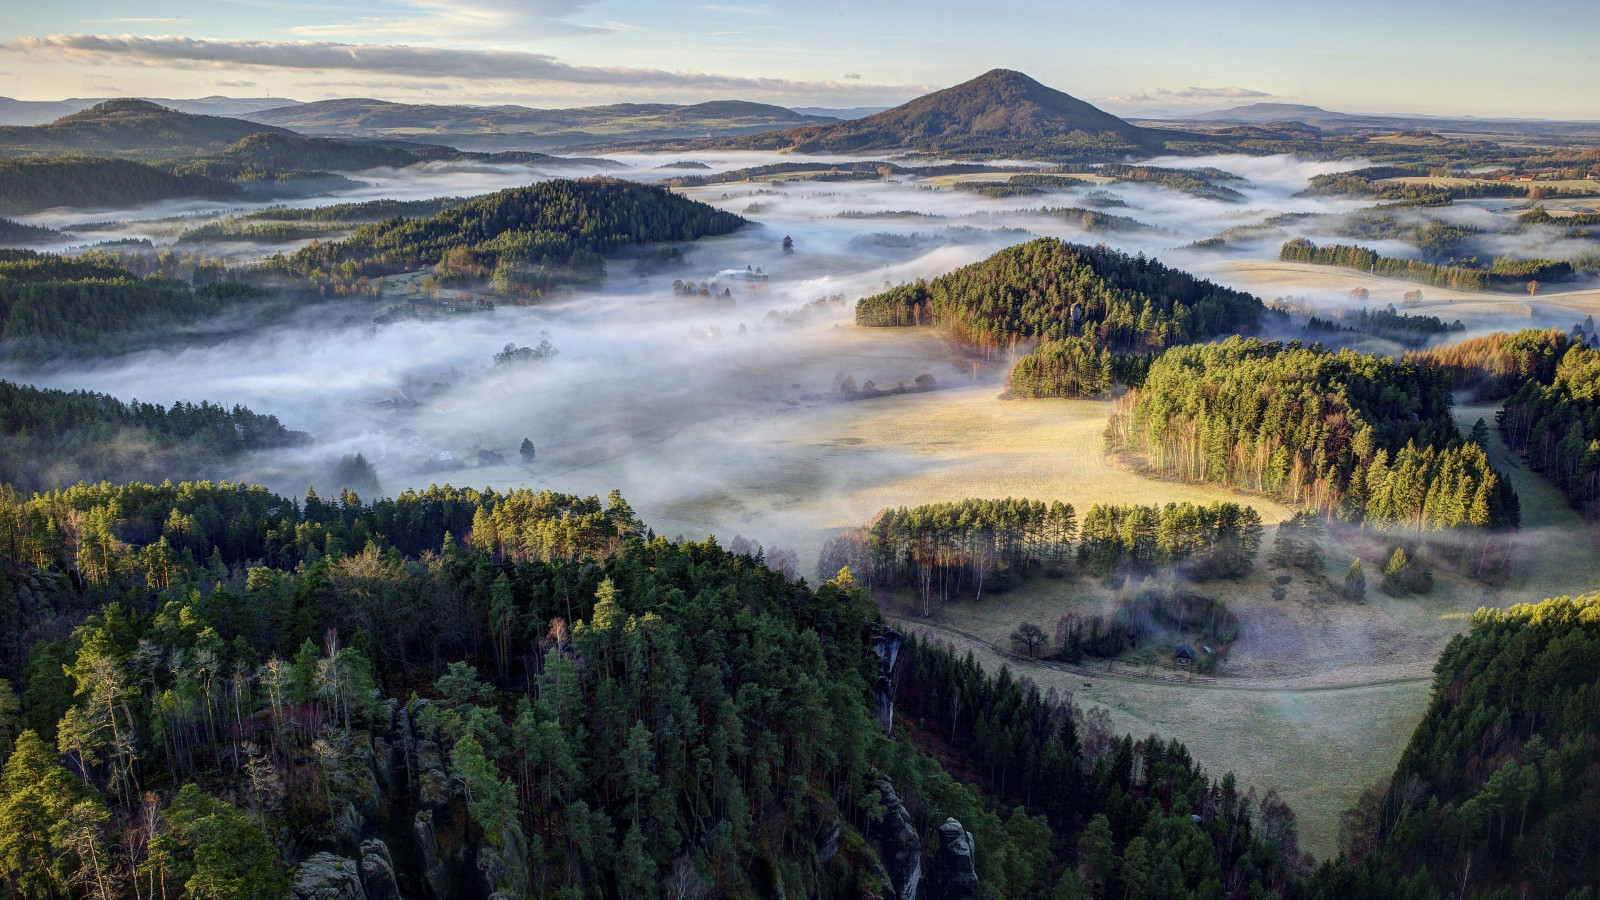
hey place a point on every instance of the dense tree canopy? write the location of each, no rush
(1363, 436)
(1050, 290)
(545, 227)
(56, 438)
(1556, 422)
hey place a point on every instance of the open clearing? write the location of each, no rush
(1269, 278)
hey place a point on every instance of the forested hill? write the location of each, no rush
(128, 127)
(52, 438)
(1499, 788)
(1047, 289)
(595, 712)
(29, 184)
(998, 114)
(548, 226)
(1364, 437)
(283, 151)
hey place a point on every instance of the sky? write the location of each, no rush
(1538, 58)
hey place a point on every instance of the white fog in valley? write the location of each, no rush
(713, 415)
(723, 415)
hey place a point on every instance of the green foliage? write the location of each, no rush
(1365, 437)
(51, 303)
(1502, 766)
(1064, 368)
(220, 854)
(545, 229)
(1502, 271)
(1355, 581)
(1557, 424)
(14, 233)
(29, 184)
(55, 438)
(1049, 290)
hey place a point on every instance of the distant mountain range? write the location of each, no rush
(1348, 123)
(493, 127)
(829, 112)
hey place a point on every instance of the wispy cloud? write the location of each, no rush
(228, 82)
(461, 18)
(401, 59)
(1189, 95)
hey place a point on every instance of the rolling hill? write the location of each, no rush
(999, 113)
(133, 128)
(488, 127)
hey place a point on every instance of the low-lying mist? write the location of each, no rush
(705, 410)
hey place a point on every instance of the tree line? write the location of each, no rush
(54, 438)
(50, 302)
(1501, 271)
(1556, 423)
(1497, 365)
(945, 551)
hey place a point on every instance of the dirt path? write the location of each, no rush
(1172, 679)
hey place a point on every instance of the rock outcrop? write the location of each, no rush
(886, 646)
(377, 871)
(897, 844)
(327, 877)
(954, 872)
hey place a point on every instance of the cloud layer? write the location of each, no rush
(1190, 95)
(401, 59)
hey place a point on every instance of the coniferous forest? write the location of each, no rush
(1050, 290)
(1366, 438)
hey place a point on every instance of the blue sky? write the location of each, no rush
(1537, 59)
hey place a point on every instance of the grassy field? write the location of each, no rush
(1580, 185)
(1317, 746)
(1270, 278)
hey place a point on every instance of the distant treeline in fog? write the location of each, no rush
(56, 438)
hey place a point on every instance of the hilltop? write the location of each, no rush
(135, 128)
(999, 113)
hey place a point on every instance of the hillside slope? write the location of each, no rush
(134, 128)
(998, 113)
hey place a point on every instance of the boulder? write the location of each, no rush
(327, 877)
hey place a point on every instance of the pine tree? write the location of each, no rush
(1355, 581)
